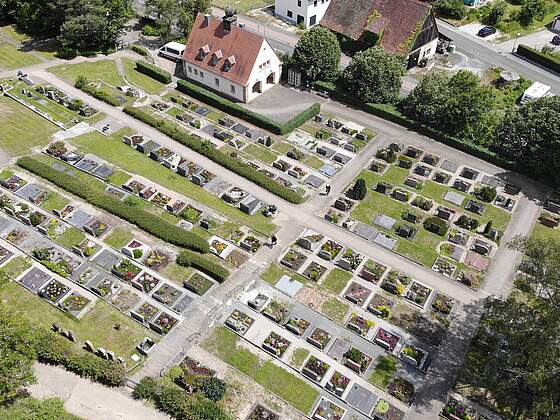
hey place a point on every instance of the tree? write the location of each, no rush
(212, 388)
(359, 190)
(486, 193)
(530, 135)
(454, 9)
(173, 18)
(493, 13)
(531, 10)
(317, 54)
(374, 75)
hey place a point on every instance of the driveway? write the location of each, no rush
(535, 40)
(473, 29)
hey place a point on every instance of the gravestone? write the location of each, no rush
(88, 345)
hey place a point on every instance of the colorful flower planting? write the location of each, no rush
(156, 260)
(330, 250)
(145, 282)
(74, 303)
(315, 369)
(443, 304)
(386, 339)
(198, 284)
(372, 271)
(418, 294)
(402, 390)
(106, 287)
(350, 260)
(277, 311)
(147, 311)
(297, 325)
(276, 344)
(380, 306)
(356, 360)
(126, 270)
(357, 294)
(167, 294)
(293, 259)
(54, 290)
(319, 338)
(239, 322)
(164, 323)
(338, 383)
(413, 355)
(359, 325)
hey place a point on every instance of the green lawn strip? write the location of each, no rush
(140, 80)
(119, 178)
(214, 115)
(177, 273)
(282, 147)
(116, 152)
(542, 232)
(16, 266)
(225, 344)
(335, 309)
(11, 58)
(313, 162)
(118, 237)
(298, 357)
(384, 372)
(70, 237)
(422, 248)
(54, 202)
(97, 325)
(243, 5)
(275, 271)
(261, 153)
(370, 133)
(6, 174)
(174, 111)
(105, 70)
(22, 129)
(336, 280)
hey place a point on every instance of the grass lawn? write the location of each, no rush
(174, 111)
(335, 309)
(298, 357)
(261, 153)
(313, 162)
(97, 325)
(242, 5)
(513, 27)
(17, 138)
(119, 178)
(282, 147)
(140, 80)
(105, 70)
(384, 371)
(70, 237)
(225, 344)
(16, 266)
(11, 58)
(118, 237)
(54, 202)
(177, 273)
(275, 271)
(116, 152)
(336, 280)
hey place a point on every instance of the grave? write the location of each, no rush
(413, 182)
(454, 198)
(328, 170)
(361, 399)
(384, 221)
(449, 166)
(103, 172)
(385, 241)
(250, 205)
(288, 285)
(365, 231)
(341, 158)
(325, 151)
(481, 247)
(337, 350)
(314, 181)
(182, 304)
(79, 218)
(461, 185)
(458, 253)
(34, 279)
(475, 207)
(240, 128)
(469, 173)
(422, 170)
(475, 260)
(492, 181)
(445, 213)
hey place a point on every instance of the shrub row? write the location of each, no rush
(213, 269)
(538, 57)
(140, 50)
(100, 94)
(153, 71)
(146, 221)
(56, 350)
(206, 149)
(237, 110)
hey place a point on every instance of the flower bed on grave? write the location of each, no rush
(310, 240)
(330, 250)
(402, 390)
(126, 270)
(147, 193)
(135, 249)
(251, 244)
(315, 369)
(74, 303)
(15, 236)
(455, 410)
(422, 203)
(96, 227)
(334, 216)
(147, 311)
(396, 283)
(56, 149)
(218, 246)
(134, 186)
(327, 409)
(444, 267)
(160, 199)
(386, 411)
(239, 322)
(356, 360)
(6, 201)
(106, 287)
(163, 323)
(277, 311)
(319, 338)
(167, 294)
(156, 260)
(262, 413)
(372, 271)
(470, 278)
(297, 325)
(145, 282)
(86, 248)
(357, 294)
(13, 183)
(413, 355)
(338, 383)
(386, 339)
(87, 275)
(293, 259)
(54, 290)
(198, 284)
(36, 218)
(443, 304)
(314, 271)
(359, 324)
(276, 344)
(350, 260)
(19, 209)
(191, 366)
(418, 294)
(125, 300)
(56, 261)
(380, 306)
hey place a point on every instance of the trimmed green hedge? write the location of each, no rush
(140, 50)
(206, 149)
(146, 221)
(547, 61)
(232, 108)
(153, 71)
(100, 94)
(214, 270)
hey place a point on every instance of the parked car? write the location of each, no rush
(555, 40)
(486, 31)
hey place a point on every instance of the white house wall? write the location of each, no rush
(223, 86)
(266, 53)
(306, 10)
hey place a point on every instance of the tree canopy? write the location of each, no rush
(374, 75)
(174, 18)
(317, 54)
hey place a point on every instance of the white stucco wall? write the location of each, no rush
(307, 10)
(266, 54)
(208, 79)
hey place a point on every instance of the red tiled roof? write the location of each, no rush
(395, 19)
(242, 44)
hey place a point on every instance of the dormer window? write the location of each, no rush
(230, 61)
(216, 57)
(204, 50)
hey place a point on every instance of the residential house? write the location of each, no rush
(306, 13)
(404, 27)
(227, 58)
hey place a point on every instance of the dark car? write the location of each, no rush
(486, 31)
(555, 40)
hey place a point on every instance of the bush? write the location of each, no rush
(213, 388)
(214, 270)
(215, 100)
(146, 389)
(145, 220)
(67, 53)
(153, 71)
(206, 149)
(359, 190)
(454, 9)
(486, 193)
(538, 57)
(436, 225)
(83, 84)
(140, 50)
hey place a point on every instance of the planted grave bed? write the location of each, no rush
(239, 322)
(96, 228)
(74, 303)
(198, 284)
(337, 383)
(327, 409)
(167, 294)
(357, 294)
(444, 267)
(443, 304)
(418, 293)
(293, 259)
(386, 339)
(319, 338)
(251, 244)
(276, 344)
(125, 300)
(156, 260)
(106, 287)
(396, 283)
(163, 323)
(277, 311)
(86, 276)
(147, 311)
(386, 411)
(372, 271)
(381, 306)
(330, 250)
(191, 366)
(315, 369)
(314, 271)
(53, 291)
(359, 324)
(413, 355)
(357, 360)
(145, 282)
(402, 390)
(262, 413)
(350, 260)
(125, 270)
(297, 325)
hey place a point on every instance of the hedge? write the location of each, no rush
(140, 50)
(232, 108)
(538, 57)
(146, 221)
(214, 270)
(207, 149)
(100, 94)
(55, 350)
(153, 71)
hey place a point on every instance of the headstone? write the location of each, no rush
(111, 355)
(88, 345)
(101, 352)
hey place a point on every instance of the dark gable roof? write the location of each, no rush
(243, 45)
(397, 20)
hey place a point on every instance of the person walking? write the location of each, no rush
(328, 189)
(273, 241)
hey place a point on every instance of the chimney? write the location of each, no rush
(207, 18)
(229, 19)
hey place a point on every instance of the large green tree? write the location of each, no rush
(374, 75)
(174, 18)
(317, 54)
(530, 135)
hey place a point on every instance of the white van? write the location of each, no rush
(172, 50)
(535, 91)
